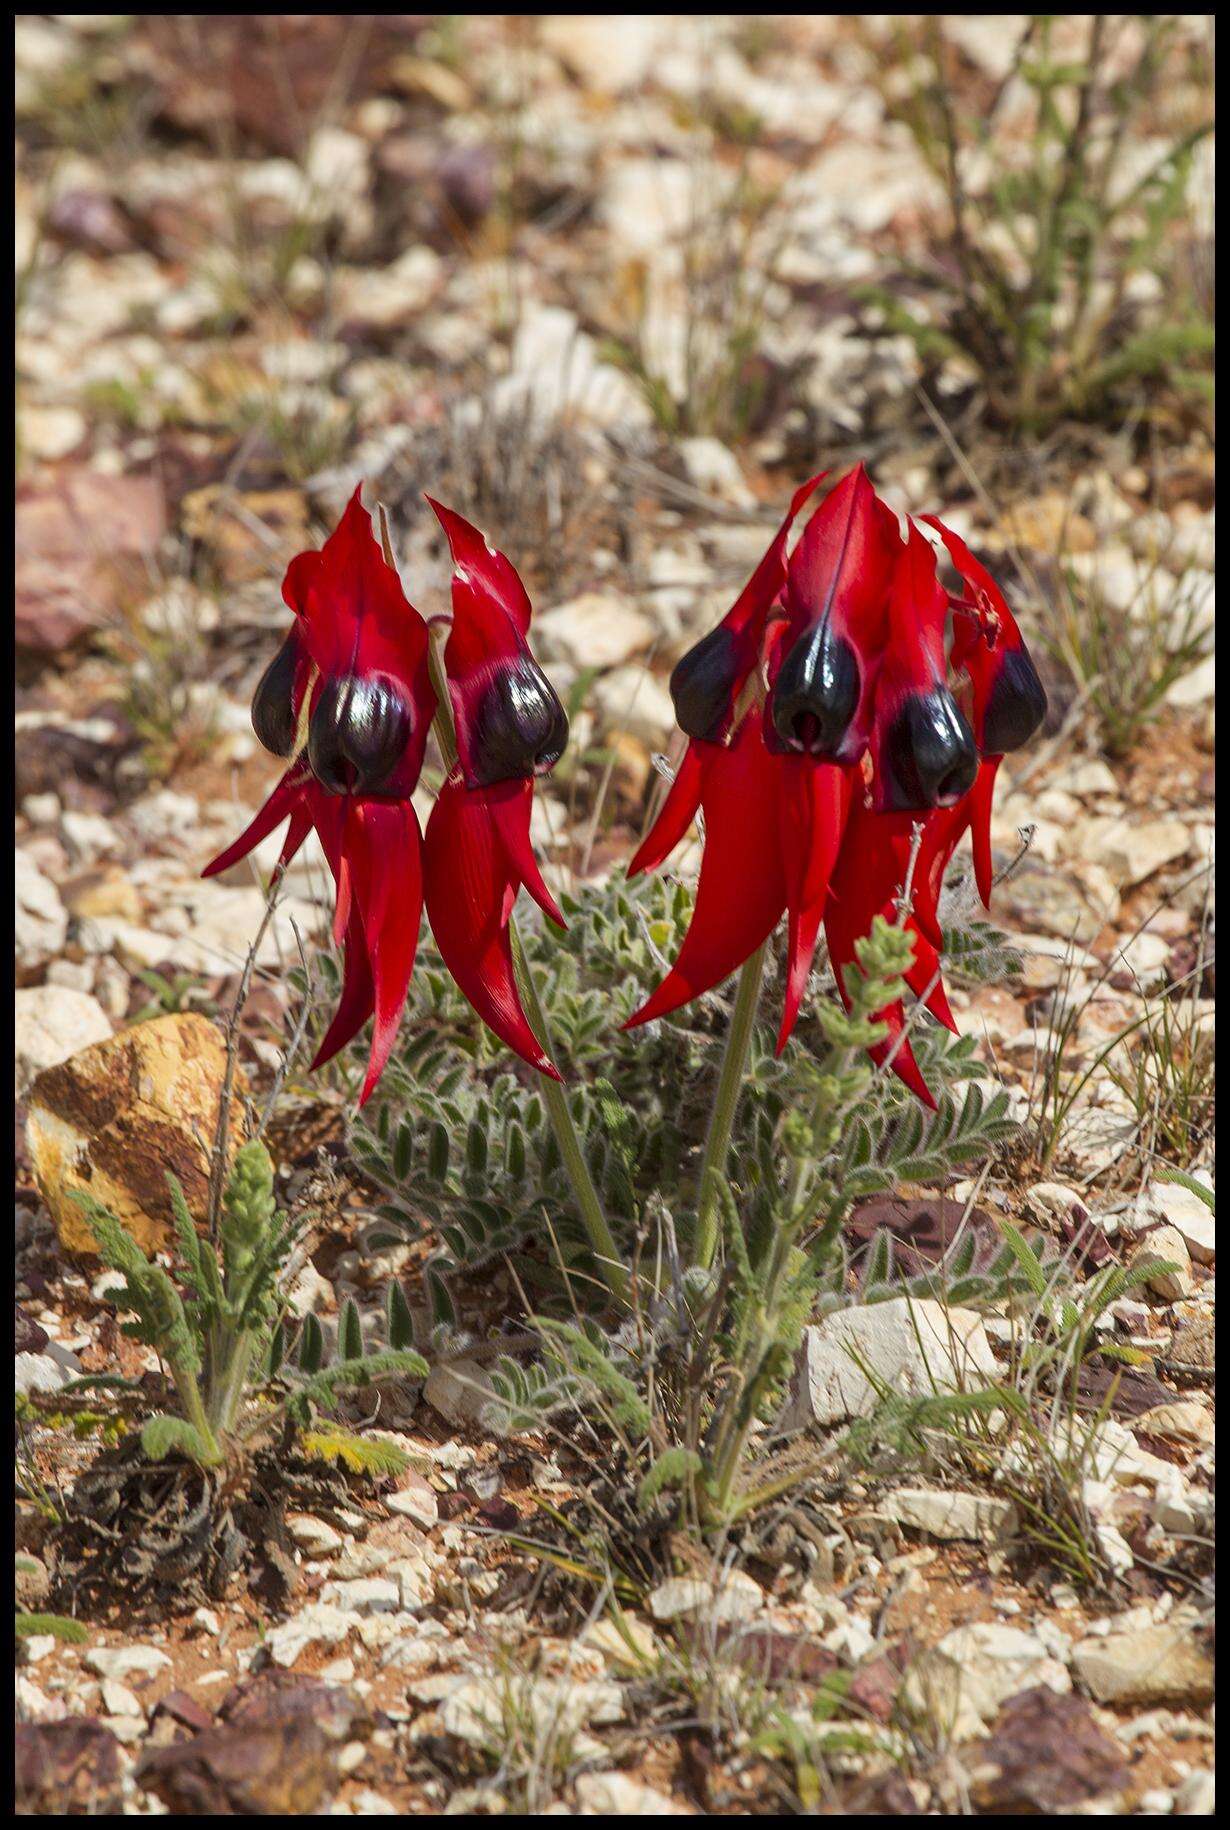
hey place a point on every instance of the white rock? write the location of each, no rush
(1133, 850)
(459, 1391)
(313, 1535)
(734, 1596)
(1086, 776)
(1168, 1246)
(1185, 1419)
(40, 918)
(913, 1347)
(1143, 955)
(475, 1710)
(1186, 1213)
(1142, 1664)
(50, 432)
(118, 1700)
(645, 203)
(50, 1023)
(597, 629)
(1054, 1198)
(1197, 687)
(39, 1372)
(1181, 1509)
(318, 1622)
(634, 700)
(416, 1501)
(556, 368)
(680, 1595)
(384, 297)
(1115, 1548)
(713, 468)
(1196, 1796)
(608, 58)
(618, 1795)
(961, 1683)
(364, 1595)
(972, 1516)
(120, 1662)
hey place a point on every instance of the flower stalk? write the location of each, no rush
(725, 1106)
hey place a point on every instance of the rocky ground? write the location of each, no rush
(492, 255)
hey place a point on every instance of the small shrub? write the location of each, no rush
(1058, 275)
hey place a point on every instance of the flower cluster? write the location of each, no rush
(837, 753)
(347, 703)
(825, 724)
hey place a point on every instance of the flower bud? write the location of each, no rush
(274, 713)
(816, 693)
(928, 758)
(358, 733)
(1016, 704)
(520, 728)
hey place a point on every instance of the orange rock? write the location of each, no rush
(113, 1119)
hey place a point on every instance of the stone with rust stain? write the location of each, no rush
(113, 1119)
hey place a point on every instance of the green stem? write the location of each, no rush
(236, 1382)
(194, 1410)
(589, 1204)
(725, 1105)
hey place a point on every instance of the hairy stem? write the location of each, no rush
(194, 1409)
(589, 1204)
(725, 1105)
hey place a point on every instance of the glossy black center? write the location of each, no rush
(520, 727)
(929, 758)
(273, 704)
(816, 693)
(703, 684)
(358, 734)
(1016, 705)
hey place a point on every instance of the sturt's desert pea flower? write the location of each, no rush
(825, 725)
(510, 727)
(348, 702)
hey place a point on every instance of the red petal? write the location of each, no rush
(838, 576)
(283, 801)
(742, 889)
(471, 888)
(865, 884)
(383, 843)
(510, 805)
(484, 580)
(925, 982)
(487, 651)
(815, 799)
(679, 809)
(898, 1054)
(980, 798)
(354, 615)
(358, 998)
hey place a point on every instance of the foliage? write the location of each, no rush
(1057, 275)
(1161, 1061)
(59, 1626)
(684, 1382)
(1034, 1437)
(1125, 657)
(463, 1150)
(220, 1330)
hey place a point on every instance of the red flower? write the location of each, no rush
(348, 701)
(510, 727)
(821, 726)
